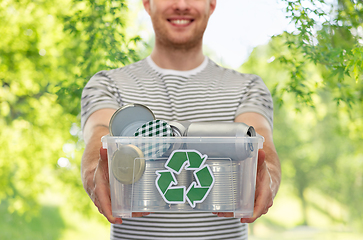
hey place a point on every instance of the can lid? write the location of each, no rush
(128, 164)
(156, 128)
(126, 120)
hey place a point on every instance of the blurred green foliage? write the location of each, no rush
(316, 81)
(330, 35)
(48, 224)
(49, 50)
(319, 83)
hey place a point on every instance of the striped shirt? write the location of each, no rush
(206, 93)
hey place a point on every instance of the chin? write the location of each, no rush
(184, 43)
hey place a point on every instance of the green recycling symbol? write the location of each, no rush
(197, 191)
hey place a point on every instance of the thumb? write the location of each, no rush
(103, 154)
(103, 164)
(261, 157)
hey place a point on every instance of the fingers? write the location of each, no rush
(101, 192)
(261, 158)
(140, 214)
(103, 201)
(103, 154)
(263, 194)
(262, 205)
(224, 214)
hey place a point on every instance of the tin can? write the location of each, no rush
(238, 151)
(127, 119)
(222, 197)
(145, 196)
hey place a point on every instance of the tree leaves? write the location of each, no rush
(327, 35)
(317, 122)
(48, 51)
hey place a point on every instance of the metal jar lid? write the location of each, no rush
(127, 119)
(156, 128)
(128, 164)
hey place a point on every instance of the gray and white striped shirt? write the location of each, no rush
(206, 93)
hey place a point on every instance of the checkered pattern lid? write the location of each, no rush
(156, 128)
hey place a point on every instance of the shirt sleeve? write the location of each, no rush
(257, 99)
(100, 92)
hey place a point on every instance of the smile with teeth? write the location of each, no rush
(180, 21)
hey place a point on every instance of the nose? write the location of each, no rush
(181, 5)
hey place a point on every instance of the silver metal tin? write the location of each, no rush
(145, 196)
(127, 119)
(222, 197)
(220, 129)
(239, 151)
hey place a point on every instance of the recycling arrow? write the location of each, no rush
(164, 180)
(204, 176)
(164, 183)
(190, 160)
(196, 194)
(176, 161)
(195, 160)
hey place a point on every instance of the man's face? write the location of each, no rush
(179, 23)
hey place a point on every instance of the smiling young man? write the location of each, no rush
(179, 27)
(177, 82)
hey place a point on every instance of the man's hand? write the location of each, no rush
(100, 194)
(268, 167)
(264, 192)
(94, 166)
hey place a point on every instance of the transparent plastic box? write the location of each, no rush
(182, 174)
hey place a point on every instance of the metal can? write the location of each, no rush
(222, 197)
(220, 129)
(145, 196)
(240, 150)
(127, 119)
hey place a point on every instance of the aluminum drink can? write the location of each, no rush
(228, 174)
(240, 150)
